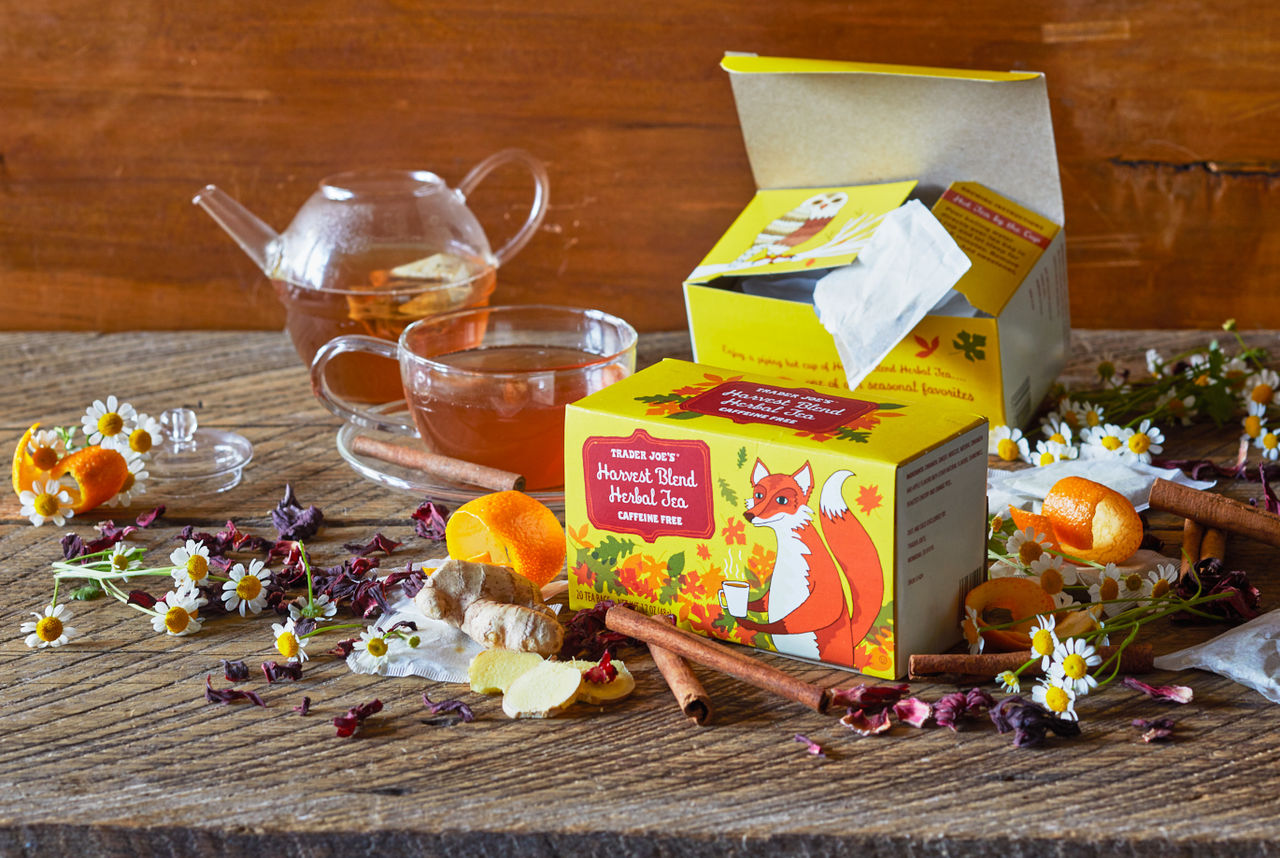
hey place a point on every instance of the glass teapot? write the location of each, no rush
(372, 251)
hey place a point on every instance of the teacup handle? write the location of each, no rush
(540, 192)
(723, 603)
(339, 406)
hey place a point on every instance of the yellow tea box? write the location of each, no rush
(833, 146)
(792, 518)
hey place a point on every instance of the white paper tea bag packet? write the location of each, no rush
(906, 268)
(1248, 654)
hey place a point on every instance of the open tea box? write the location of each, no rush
(784, 516)
(833, 146)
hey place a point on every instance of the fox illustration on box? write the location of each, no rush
(827, 584)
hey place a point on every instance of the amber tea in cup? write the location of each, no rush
(489, 385)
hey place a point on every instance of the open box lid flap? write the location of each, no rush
(811, 123)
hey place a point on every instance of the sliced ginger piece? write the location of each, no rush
(493, 670)
(604, 692)
(544, 691)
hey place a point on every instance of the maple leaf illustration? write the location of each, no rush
(869, 499)
(927, 347)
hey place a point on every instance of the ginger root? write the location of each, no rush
(544, 691)
(493, 605)
(493, 671)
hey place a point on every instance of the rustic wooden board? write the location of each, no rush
(117, 112)
(110, 748)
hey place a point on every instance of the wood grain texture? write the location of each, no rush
(116, 112)
(110, 748)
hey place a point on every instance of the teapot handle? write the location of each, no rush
(339, 406)
(540, 193)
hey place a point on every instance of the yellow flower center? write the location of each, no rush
(119, 562)
(110, 424)
(1092, 418)
(1139, 443)
(1047, 458)
(249, 587)
(49, 629)
(128, 483)
(1160, 587)
(1010, 679)
(1030, 551)
(197, 567)
(1177, 407)
(287, 644)
(1111, 442)
(44, 458)
(1051, 581)
(140, 441)
(1074, 666)
(1056, 699)
(1072, 419)
(1109, 589)
(1042, 642)
(45, 505)
(1007, 449)
(176, 619)
(1270, 441)
(1106, 369)
(1202, 380)
(1253, 425)
(1059, 437)
(376, 647)
(1262, 393)
(1133, 581)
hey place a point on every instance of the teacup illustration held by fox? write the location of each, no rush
(827, 583)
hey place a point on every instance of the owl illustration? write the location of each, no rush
(787, 234)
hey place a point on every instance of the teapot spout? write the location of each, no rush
(255, 238)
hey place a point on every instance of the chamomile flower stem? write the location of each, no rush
(306, 566)
(333, 628)
(54, 601)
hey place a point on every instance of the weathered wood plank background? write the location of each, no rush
(109, 747)
(114, 112)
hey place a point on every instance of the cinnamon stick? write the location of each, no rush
(1216, 510)
(693, 700)
(435, 465)
(1136, 658)
(717, 657)
(1192, 538)
(1214, 544)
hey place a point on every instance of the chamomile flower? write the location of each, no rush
(1055, 696)
(1160, 581)
(1142, 443)
(107, 423)
(1111, 586)
(972, 633)
(247, 588)
(1008, 444)
(1072, 659)
(49, 628)
(46, 447)
(177, 612)
(1009, 682)
(1044, 639)
(135, 481)
(1053, 574)
(372, 652)
(1236, 373)
(1057, 429)
(191, 563)
(1183, 409)
(318, 608)
(1069, 412)
(1026, 545)
(1268, 442)
(46, 501)
(1155, 363)
(1048, 452)
(146, 434)
(1091, 415)
(1109, 438)
(1254, 421)
(123, 558)
(1263, 387)
(288, 642)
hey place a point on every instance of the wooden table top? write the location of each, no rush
(109, 746)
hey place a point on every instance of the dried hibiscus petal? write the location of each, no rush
(429, 520)
(811, 747)
(1156, 730)
(863, 696)
(867, 723)
(292, 521)
(142, 599)
(913, 711)
(149, 517)
(235, 671)
(274, 671)
(1176, 693)
(228, 695)
(350, 722)
(304, 707)
(603, 673)
(378, 543)
(452, 706)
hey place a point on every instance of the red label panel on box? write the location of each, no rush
(795, 407)
(648, 486)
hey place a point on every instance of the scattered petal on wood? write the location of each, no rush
(228, 695)
(1175, 693)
